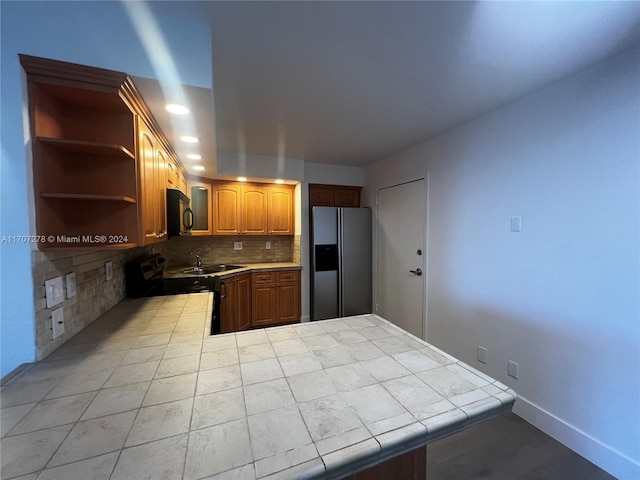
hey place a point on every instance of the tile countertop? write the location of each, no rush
(312, 400)
(177, 272)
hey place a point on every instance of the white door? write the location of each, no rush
(401, 255)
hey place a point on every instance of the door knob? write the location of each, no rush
(417, 271)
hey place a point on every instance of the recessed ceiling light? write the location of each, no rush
(198, 167)
(194, 156)
(279, 182)
(189, 139)
(177, 109)
(242, 179)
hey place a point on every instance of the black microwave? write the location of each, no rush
(179, 214)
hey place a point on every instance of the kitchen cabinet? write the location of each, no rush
(175, 176)
(280, 216)
(200, 193)
(152, 161)
(99, 158)
(252, 209)
(235, 309)
(276, 298)
(334, 195)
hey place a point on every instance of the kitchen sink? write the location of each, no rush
(222, 267)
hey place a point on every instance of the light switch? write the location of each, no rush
(54, 291)
(267, 245)
(70, 280)
(516, 224)
(57, 322)
(237, 245)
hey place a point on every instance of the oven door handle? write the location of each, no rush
(223, 285)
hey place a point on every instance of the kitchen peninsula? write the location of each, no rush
(324, 399)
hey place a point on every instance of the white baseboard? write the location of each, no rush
(598, 453)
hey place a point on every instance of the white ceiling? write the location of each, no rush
(353, 82)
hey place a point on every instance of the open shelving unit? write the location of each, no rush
(83, 132)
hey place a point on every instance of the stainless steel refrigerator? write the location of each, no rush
(340, 262)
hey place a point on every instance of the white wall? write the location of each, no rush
(561, 298)
(90, 33)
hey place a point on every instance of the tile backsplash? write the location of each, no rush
(94, 294)
(220, 249)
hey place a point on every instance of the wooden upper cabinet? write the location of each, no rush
(200, 191)
(321, 196)
(227, 209)
(147, 178)
(280, 210)
(334, 195)
(152, 161)
(252, 209)
(347, 196)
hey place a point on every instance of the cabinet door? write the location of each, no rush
(347, 196)
(288, 297)
(263, 299)
(228, 306)
(182, 183)
(243, 302)
(200, 195)
(321, 196)
(148, 182)
(172, 174)
(161, 193)
(280, 220)
(226, 209)
(254, 210)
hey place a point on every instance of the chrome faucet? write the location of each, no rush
(198, 259)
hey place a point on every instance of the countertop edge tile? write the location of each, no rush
(311, 470)
(444, 424)
(352, 459)
(482, 410)
(402, 440)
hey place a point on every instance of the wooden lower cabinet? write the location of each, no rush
(275, 298)
(235, 309)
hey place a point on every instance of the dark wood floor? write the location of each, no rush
(507, 448)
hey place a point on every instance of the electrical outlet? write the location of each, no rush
(481, 354)
(513, 369)
(108, 271)
(57, 322)
(54, 291)
(237, 245)
(70, 280)
(267, 245)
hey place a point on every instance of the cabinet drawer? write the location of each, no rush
(287, 276)
(264, 277)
